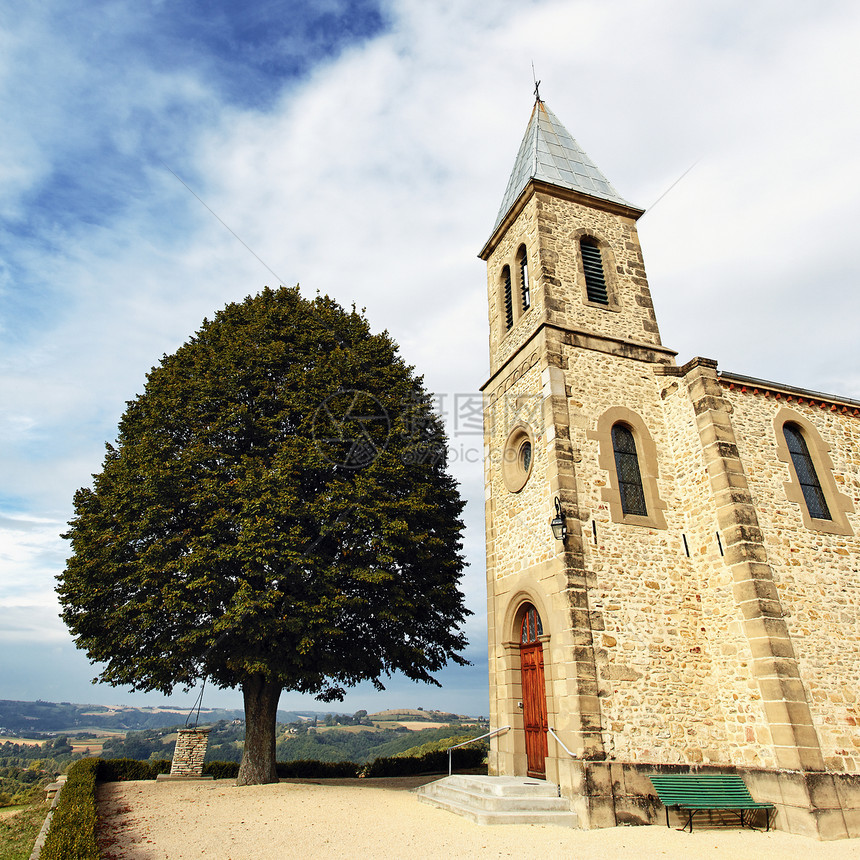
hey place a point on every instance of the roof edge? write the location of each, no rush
(733, 380)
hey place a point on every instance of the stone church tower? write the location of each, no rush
(702, 608)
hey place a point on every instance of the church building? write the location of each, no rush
(673, 552)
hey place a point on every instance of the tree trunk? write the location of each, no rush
(261, 710)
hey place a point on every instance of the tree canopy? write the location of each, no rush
(276, 514)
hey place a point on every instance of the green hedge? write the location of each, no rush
(289, 769)
(304, 768)
(431, 762)
(73, 828)
(221, 769)
(122, 769)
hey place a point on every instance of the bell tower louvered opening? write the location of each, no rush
(525, 291)
(595, 280)
(509, 298)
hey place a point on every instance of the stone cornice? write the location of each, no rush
(645, 352)
(535, 186)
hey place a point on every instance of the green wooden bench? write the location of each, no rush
(697, 792)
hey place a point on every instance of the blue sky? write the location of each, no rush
(362, 149)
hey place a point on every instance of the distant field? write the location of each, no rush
(352, 729)
(181, 713)
(101, 731)
(395, 716)
(383, 726)
(94, 745)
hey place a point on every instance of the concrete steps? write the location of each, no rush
(500, 800)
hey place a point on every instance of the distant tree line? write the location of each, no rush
(25, 768)
(295, 741)
(360, 747)
(34, 719)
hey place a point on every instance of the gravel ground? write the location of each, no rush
(382, 818)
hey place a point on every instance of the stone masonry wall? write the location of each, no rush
(659, 687)
(672, 658)
(525, 563)
(736, 730)
(817, 575)
(515, 536)
(503, 342)
(521, 520)
(563, 223)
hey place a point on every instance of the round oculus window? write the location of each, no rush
(518, 458)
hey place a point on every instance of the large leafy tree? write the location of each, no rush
(275, 514)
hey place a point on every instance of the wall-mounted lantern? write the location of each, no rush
(558, 526)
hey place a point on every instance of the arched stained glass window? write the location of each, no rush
(592, 266)
(627, 470)
(532, 627)
(806, 474)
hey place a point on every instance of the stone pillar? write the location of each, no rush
(582, 710)
(190, 752)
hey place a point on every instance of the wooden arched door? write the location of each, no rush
(534, 692)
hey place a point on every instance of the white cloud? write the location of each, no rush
(27, 537)
(31, 622)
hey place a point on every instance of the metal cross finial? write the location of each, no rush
(537, 83)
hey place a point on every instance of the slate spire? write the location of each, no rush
(549, 154)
